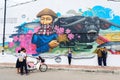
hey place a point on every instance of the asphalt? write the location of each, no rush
(105, 69)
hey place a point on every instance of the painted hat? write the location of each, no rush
(47, 11)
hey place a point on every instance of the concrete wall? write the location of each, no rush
(112, 60)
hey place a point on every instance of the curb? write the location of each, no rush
(107, 69)
(114, 70)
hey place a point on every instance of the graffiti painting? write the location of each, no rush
(54, 33)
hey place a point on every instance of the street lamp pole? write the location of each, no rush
(4, 25)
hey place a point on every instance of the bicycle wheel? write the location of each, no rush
(43, 67)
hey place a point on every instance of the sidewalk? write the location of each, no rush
(106, 69)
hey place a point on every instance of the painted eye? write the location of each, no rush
(105, 26)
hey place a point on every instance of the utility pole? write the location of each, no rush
(4, 25)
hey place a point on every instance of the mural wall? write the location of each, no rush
(54, 32)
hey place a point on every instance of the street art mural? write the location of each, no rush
(83, 30)
(54, 33)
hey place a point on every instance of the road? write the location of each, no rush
(10, 74)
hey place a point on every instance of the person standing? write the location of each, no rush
(104, 56)
(23, 61)
(69, 56)
(17, 62)
(99, 56)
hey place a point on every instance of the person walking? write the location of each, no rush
(69, 56)
(104, 56)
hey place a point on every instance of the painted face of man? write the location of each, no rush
(46, 25)
(46, 19)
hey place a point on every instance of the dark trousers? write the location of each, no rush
(23, 66)
(69, 60)
(100, 61)
(104, 61)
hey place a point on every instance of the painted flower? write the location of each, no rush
(68, 31)
(78, 36)
(70, 36)
(21, 38)
(15, 38)
(33, 46)
(31, 49)
(11, 44)
(56, 28)
(30, 32)
(28, 36)
(23, 44)
(59, 30)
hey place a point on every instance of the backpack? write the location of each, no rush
(20, 59)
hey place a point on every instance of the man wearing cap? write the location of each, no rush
(45, 38)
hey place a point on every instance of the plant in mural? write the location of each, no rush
(79, 32)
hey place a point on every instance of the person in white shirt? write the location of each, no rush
(17, 62)
(23, 61)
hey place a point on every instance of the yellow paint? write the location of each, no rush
(112, 36)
